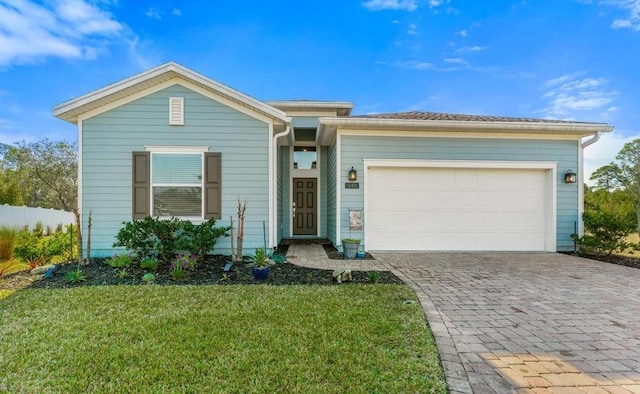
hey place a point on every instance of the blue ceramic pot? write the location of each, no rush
(260, 273)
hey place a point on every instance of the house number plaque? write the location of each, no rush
(352, 185)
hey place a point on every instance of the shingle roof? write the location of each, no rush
(416, 115)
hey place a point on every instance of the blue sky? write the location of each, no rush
(564, 59)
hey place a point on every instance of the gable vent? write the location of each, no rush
(176, 111)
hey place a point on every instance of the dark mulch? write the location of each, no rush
(209, 272)
(633, 262)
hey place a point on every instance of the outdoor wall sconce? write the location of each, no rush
(570, 176)
(353, 175)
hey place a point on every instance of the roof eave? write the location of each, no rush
(69, 110)
(328, 125)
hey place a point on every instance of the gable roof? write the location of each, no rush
(70, 110)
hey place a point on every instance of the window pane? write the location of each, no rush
(304, 158)
(177, 201)
(177, 168)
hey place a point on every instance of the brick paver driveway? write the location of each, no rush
(529, 322)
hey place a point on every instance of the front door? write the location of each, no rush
(305, 210)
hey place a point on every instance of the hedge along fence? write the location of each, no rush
(30, 217)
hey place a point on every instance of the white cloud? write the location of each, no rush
(632, 10)
(475, 48)
(176, 12)
(455, 60)
(379, 5)
(61, 28)
(462, 33)
(154, 13)
(570, 94)
(414, 65)
(413, 29)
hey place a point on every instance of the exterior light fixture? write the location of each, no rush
(353, 175)
(570, 176)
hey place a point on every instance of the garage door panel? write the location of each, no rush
(455, 209)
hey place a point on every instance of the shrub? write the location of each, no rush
(606, 232)
(35, 249)
(148, 277)
(8, 239)
(165, 238)
(119, 261)
(149, 264)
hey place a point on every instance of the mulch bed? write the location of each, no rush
(633, 262)
(208, 272)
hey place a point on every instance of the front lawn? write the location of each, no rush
(294, 339)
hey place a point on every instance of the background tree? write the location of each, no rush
(44, 173)
(629, 178)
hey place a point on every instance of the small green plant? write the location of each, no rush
(261, 258)
(606, 232)
(373, 276)
(187, 261)
(148, 277)
(176, 271)
(11, 266)
(123, 273)
(149, 264)
(76, 276)
(225, 278)
(119, 261)
(351, 240)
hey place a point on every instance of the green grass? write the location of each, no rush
(294, 339)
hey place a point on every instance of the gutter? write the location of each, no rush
(592, 140)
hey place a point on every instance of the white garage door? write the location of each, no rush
(453, 209)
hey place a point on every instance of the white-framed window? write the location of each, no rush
(177, 184)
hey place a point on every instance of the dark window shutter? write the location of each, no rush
(141, 185)
(213, 185)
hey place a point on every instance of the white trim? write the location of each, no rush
(459, 163)
(338, 188)
(80, 183)
(468, 125)
(176, 149)
(454, 134)
(551, 184)
(313, 174)
(315, 114)
(271, 188)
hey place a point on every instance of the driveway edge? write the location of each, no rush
(455, 374)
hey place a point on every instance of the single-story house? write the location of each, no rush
(171, 142)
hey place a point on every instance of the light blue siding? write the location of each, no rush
(354, 149)
(109, 139)
(305, 121)
(331, 192)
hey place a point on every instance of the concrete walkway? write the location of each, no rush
(314, 256)
(519, 322)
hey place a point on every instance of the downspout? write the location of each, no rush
(579, 224)
(276, 137)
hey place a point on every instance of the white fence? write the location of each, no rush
(27, 216)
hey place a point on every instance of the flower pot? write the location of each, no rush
(260, 273)
(350, 249)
